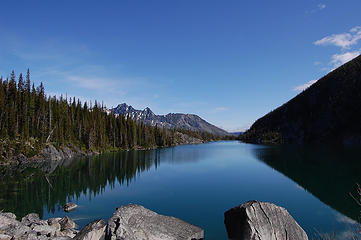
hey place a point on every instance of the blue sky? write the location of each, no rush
(228, 61)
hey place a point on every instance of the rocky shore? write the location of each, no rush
(49, 152)
(251, 220)
(130, 222)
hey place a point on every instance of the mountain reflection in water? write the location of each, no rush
(196, 183)
(330, 173)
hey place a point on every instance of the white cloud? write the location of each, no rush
(351, 227)
(356, 29)
(315, 9)
(325, 69)
(344, 219)
(343, 40)
(91, 82)
(187, 105)
(219, 109)
(110, 85)
(321, 6)
(304, 86)
(347, 234)
(340, 59)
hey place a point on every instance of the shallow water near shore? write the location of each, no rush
(198, 183)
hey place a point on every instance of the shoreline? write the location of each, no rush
(119, 226)
(249, 220)
(69, 151)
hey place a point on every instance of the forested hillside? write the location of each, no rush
(329, 111)
(29, 120)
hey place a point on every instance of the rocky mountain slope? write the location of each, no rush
(328, 111)
(171, 120)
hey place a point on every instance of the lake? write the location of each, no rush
(197, 183)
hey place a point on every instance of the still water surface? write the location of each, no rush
(198, 183)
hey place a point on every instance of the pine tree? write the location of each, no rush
(12, 123)
(27, 113)
(2, 106)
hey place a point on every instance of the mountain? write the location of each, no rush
(236, 134)
(329, 111)
(171, 120)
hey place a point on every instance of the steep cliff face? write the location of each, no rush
(171, 120)
(328, 111)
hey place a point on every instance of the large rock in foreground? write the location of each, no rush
(255, 220)
(92, 231)
(134, 222)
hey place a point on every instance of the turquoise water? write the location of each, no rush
(198, 183)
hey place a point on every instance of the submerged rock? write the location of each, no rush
(133, 222)
(69, 207)
(255, 220)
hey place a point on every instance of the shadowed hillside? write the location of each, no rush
(328, 111)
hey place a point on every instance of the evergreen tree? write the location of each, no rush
(26, 113)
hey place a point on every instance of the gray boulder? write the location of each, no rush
(69, 233)
(32, 227)
(31, 218)
(55, 223)
(45, 230)
(4, 237)
(51, 153)
(134, 222)
(92, 231)
(66, 223)
(29, 236)
(67, 152)
(255, 220)
(9, 215)
(52, 221)
(11, 227)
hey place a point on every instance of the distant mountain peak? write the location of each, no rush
(171, 120)
(122, 105)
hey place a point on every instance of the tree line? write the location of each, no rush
(28, 114)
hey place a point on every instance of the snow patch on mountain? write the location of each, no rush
(171, 120)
